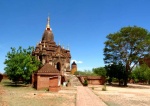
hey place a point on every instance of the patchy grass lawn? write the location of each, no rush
(21, 95)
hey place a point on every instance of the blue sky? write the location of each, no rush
(81, 24)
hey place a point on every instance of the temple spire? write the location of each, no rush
(48, 24)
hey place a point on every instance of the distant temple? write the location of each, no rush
(55, 60)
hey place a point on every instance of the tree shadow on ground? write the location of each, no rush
(13, 84)
(135, 86)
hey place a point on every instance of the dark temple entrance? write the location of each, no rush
(59, 66)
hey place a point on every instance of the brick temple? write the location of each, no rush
(54, 58)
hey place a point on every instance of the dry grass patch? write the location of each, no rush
(27, 96)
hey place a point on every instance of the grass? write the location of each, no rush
(22, 95)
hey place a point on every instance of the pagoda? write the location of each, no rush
(55, 62)
(48, 52)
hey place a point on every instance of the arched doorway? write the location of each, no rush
(59, 66)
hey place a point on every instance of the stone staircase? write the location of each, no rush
(73, 80)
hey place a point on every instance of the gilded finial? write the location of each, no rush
(68, 47)
(58, 43)
(48, 23)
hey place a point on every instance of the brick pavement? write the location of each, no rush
(85, 97)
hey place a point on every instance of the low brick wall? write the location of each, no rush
(94, 80)
(5, 76)
(1, 77)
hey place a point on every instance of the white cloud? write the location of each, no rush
(78, 62)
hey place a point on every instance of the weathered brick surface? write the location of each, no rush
(44, 81)
(53, 82)
(94, 80)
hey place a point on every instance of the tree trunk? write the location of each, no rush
(149, 82)
(119, 82)
(126, 78)
(126, 73)
(125, 82)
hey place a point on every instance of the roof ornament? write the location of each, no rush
(63, 46)
(58, 43)
(48, 24)
(68, 47)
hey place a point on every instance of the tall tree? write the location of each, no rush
(127, 46)
(20, 64)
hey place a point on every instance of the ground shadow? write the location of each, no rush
(128, 86)
(13, 84)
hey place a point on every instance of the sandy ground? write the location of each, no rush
(133, 95)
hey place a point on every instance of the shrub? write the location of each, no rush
(85, 82)
(104, 87)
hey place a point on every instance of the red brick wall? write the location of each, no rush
(44, 81)
(5, 76)
(53, 82)
(94, 80)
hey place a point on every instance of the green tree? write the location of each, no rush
(138, 73)
(115, 71)
(127, 46)
(20, 64)
(147, 75)
(141, 73)
(99, 71)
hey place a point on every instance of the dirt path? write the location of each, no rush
(85, 97)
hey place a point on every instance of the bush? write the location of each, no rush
(104, 87)
(85, 83)
(115, 80)
(136, 80)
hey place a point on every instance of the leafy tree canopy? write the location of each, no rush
(99, 71)
(20, 64)
(127, 46)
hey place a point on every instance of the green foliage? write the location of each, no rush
(115, 71)
(127, 46)
(85, 73)
(104, 87)
(85, 82)
(101, 71)
(141, 73)
(20, 64)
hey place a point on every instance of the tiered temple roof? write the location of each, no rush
(48, 52)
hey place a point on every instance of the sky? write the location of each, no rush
(80, 24)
